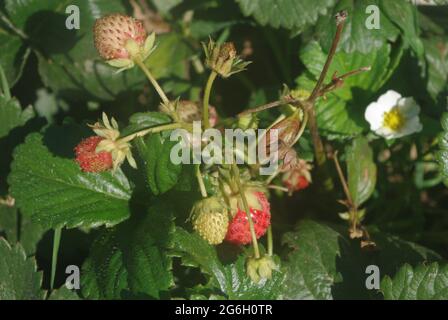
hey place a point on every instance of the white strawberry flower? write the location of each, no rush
(393, 116)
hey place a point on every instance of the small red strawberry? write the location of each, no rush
(88, 159)
(298, 177)
(239, 230)
(112, 33)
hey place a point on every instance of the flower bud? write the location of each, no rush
(222, 58)
(259, 269)
(298, 177)
(189, 111)
(287, 131)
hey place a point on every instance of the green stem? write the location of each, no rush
(157, 129)
(236, 175)
(201, 181)
(54, 258)
(5, 85)
(11, 26)
(205, 102)
(270, 242)
(153, 81)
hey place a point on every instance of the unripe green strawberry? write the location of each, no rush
(112, 33)
(121, 40)
(210, 220)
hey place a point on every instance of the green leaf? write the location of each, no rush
(231, 279)
(342, 112)
(392, 252)
(311, 268)
(437, 61)
(63, 294)
(161, 173)
(325, 264)
(130, 260)
(14, 56)
(169, 58)
(144, 120)
(361, 170)
(285, 13)
(12, 227)
(12, 115)
(424, 282)
(19, 279)
(442, 154)
(404, 15)
(54, 192)
(355, 35)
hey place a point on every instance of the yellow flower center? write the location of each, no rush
(393, 119)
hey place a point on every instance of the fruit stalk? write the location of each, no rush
(152, 80)
(205, 102)
(236, 176)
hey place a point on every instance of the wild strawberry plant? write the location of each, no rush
(348, 99)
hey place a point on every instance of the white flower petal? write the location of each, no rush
(389, 99)
(386, 133)
(374, 116)
(412, 125)
(408, 107)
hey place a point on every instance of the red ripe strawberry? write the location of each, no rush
(88, 159)
(239, 230)
(113, 31)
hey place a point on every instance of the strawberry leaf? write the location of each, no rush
(230, 280)
(53, 191)
(341, 112)
(355, 35)
(19, 279)
(361, 170)
(325, 264)
(130, 260)
(22, 229)
(424, 282)
(442, 154)
(284, 13)
(161, 173)
(12, 115)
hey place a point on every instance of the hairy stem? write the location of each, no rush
(236, 176)
(157, 129)
(274, 104)
(340, 19)
(153, 81)
(319, 150)
(270, 242)
(4, 84)
(342, 179)
(206, 99)
(201, 181)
